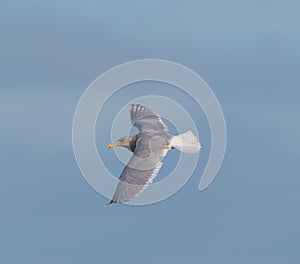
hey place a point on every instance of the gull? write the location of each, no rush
(149, 146)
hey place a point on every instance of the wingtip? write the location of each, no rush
(111, 202)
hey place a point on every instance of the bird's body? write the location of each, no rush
(148, 147)
(132, 140)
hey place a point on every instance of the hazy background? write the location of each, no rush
(247, 51)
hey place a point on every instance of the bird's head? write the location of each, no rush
(123, 142)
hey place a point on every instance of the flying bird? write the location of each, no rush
(149, 146)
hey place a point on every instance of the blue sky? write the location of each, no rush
(247, 51)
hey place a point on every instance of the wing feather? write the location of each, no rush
(145, 119)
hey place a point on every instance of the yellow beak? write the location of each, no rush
(110, 145)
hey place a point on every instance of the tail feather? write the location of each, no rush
(186, 142)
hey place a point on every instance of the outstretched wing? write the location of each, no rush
(141, 169)
(146, 120)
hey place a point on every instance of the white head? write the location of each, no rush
(123, 142)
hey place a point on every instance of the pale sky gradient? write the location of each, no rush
(247, 51)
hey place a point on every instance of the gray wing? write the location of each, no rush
(142, 168)
(146, 120)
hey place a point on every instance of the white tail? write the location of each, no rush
(186, 142)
